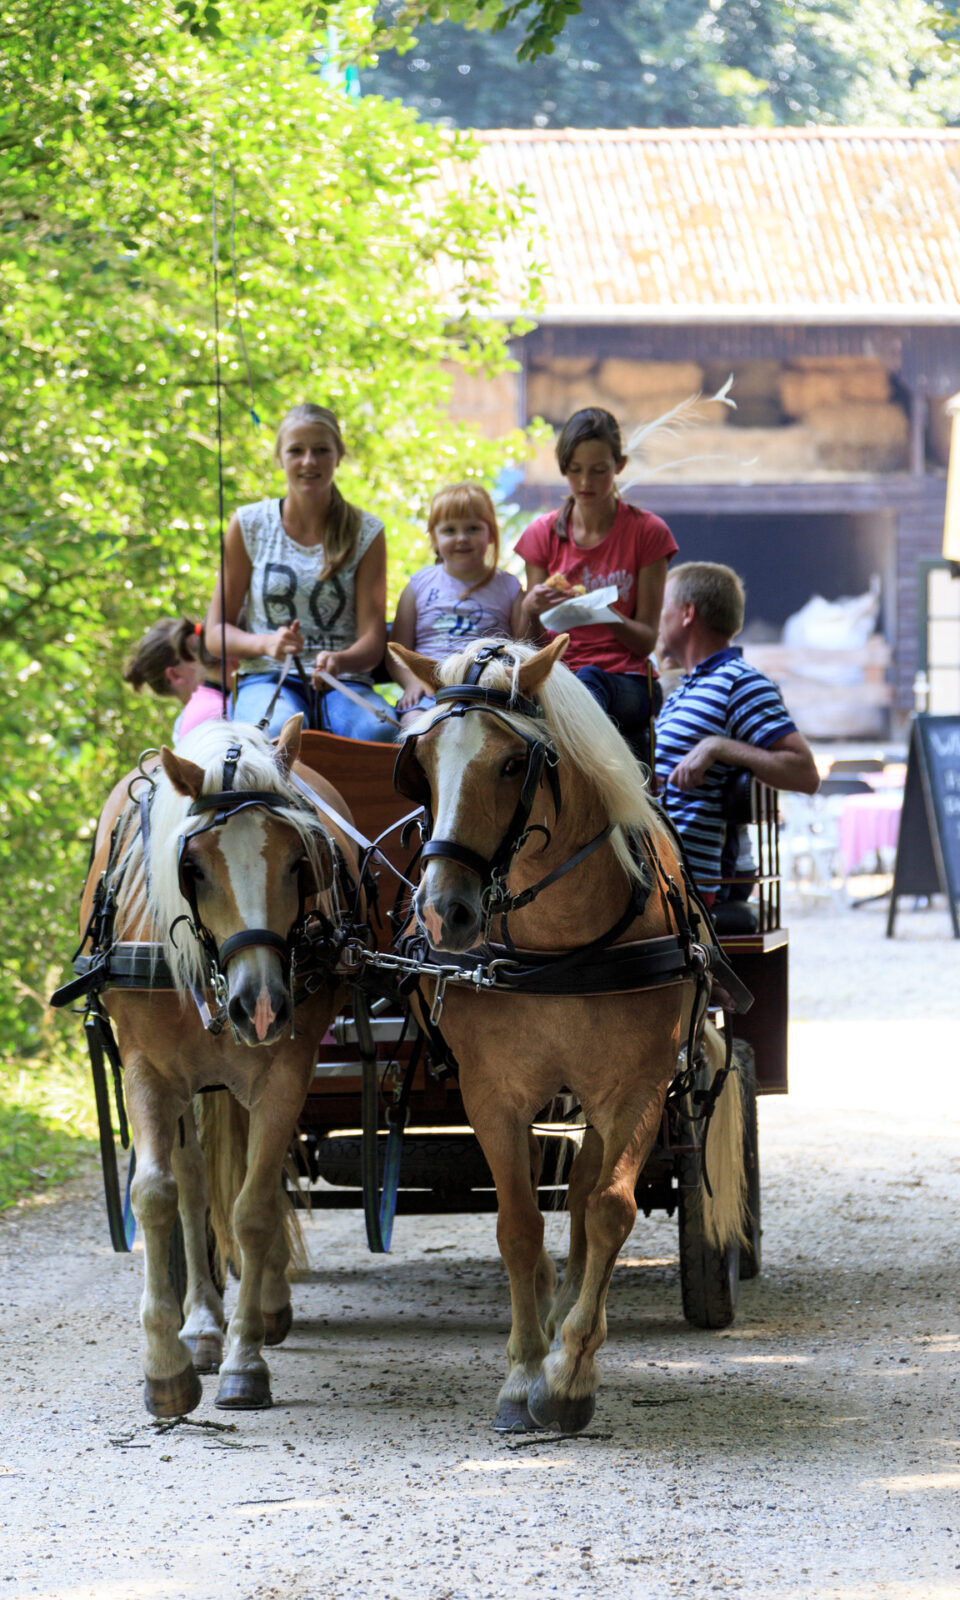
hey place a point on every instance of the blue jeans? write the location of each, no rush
(625, 698)
(337, 713)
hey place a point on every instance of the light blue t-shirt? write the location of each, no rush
(450, 615)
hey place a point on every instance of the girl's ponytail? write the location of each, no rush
(164, 645)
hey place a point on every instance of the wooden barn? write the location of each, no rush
(821, 267)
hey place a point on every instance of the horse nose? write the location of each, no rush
(451, 920)
(259, 1011)
(458, 917)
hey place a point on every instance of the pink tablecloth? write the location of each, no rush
(868, 823)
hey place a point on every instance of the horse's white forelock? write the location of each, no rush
(149, 916)
(583, 735)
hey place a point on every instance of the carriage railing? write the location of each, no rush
(764, 824)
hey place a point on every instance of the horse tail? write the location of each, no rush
(224, 1128)
(723, 1183)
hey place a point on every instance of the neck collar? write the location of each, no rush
(728, 653)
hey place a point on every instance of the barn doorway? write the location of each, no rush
(786, 559)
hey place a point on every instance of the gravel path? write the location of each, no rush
(813, 1450)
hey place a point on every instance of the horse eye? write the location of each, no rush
(511, 767)
(191, 870)
(299, 865)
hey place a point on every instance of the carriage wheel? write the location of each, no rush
(708, 1275)
(750, 1253)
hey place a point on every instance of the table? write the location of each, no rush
(868, 824)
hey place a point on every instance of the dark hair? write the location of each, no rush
(591, 423)
(164, 645)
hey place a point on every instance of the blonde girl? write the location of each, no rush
(307, 572)
(462, 596)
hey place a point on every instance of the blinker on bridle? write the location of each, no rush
(224, 804)
(410, 780)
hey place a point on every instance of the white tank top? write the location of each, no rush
(285, 584)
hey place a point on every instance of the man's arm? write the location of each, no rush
(786, 764)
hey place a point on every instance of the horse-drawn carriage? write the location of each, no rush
(535, 1022)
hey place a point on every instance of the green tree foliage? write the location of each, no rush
(538, 22)
(679, 63)
(110, 114)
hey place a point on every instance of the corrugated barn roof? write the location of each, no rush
(698, 224)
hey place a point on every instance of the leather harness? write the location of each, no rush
(601, 967)
(310, 950)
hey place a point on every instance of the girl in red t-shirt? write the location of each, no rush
(597, 539)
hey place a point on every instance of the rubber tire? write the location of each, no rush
(429, 1161)
(708, 1276)
(751, 1252)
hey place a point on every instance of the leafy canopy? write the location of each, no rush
(112, 114)
(678, 63)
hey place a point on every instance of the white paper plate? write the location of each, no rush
(583, 611)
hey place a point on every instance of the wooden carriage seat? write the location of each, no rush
(362, 772)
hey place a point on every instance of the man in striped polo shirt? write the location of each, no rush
(723, 715)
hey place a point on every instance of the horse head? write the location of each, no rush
(250, 858)
(477, 766)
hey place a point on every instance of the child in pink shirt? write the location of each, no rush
(172, 659)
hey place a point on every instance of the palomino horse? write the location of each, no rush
(541, 819)
(234, 862)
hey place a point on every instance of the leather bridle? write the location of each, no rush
(224, 804)
(410, 780)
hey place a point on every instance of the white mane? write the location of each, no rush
(582, 734)
(150, 915)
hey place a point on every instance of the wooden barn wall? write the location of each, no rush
(926, 360)
(920, 537)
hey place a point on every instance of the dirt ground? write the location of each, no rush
(812, 1450)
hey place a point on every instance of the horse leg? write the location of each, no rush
(275, 1296)
(202, 1330)
(583, 1176)
(564, 1395)
(505, 1143)
(545, 1277)
(257, 1226)
(171, 1386)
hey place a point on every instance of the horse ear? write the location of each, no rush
(186, 776)
(422, 667)
(539, 667)
(287, 747)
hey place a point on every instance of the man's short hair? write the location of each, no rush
(715, 591)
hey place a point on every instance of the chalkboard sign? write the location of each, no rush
(928, 849)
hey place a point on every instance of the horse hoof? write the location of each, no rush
(277, 1324)
(173, 1397)
(244, 1391)
(554, 1411)
(206, 1349)
(514, 1417)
